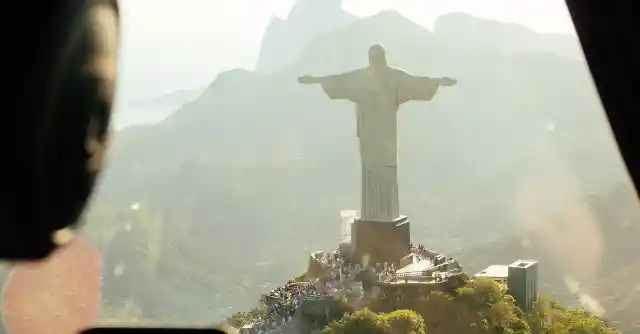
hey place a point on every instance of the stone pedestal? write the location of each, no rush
(383, 241)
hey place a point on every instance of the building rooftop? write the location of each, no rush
(523, 263)
(419, 266)
(495, 271)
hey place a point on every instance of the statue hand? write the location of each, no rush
(307, 79)
(448, 81)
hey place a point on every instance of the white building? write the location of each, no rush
(499, 273)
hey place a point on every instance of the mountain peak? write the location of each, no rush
(390, 13)
(284, 39)
(346, 48)
(304, 9)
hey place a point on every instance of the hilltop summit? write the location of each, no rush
(344, 48)
(283, 39)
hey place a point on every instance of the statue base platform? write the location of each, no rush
(383, 241)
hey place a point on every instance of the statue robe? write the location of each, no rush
(378, 94)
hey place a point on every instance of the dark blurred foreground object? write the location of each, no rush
(609, 39)
(216, 329)
(156, 330)
(62, 106)
(60, 294)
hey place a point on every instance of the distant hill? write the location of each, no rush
(177, 98)
(256, 169)
(136, 112)
(284, 38)
(468, 31)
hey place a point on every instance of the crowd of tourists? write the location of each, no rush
(427, 254)
(283, 301)
(386, 272)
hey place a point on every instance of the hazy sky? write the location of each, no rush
(176, 44)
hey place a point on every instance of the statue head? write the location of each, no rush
(377, 56)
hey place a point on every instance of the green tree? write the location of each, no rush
(549, 317)
(239, 319)
(493, 307)
(362, 322)
(405, 322)
(478, 306)
(367, 321)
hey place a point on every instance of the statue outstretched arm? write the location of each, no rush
(446, 81)
(337, 86)
(443, 81)
(418, 88)
(308, 79)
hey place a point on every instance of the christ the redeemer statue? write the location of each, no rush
(378, 90)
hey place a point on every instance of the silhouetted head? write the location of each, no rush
(377, 56)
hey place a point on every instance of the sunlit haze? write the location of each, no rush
(190, 41)
(306, 166)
